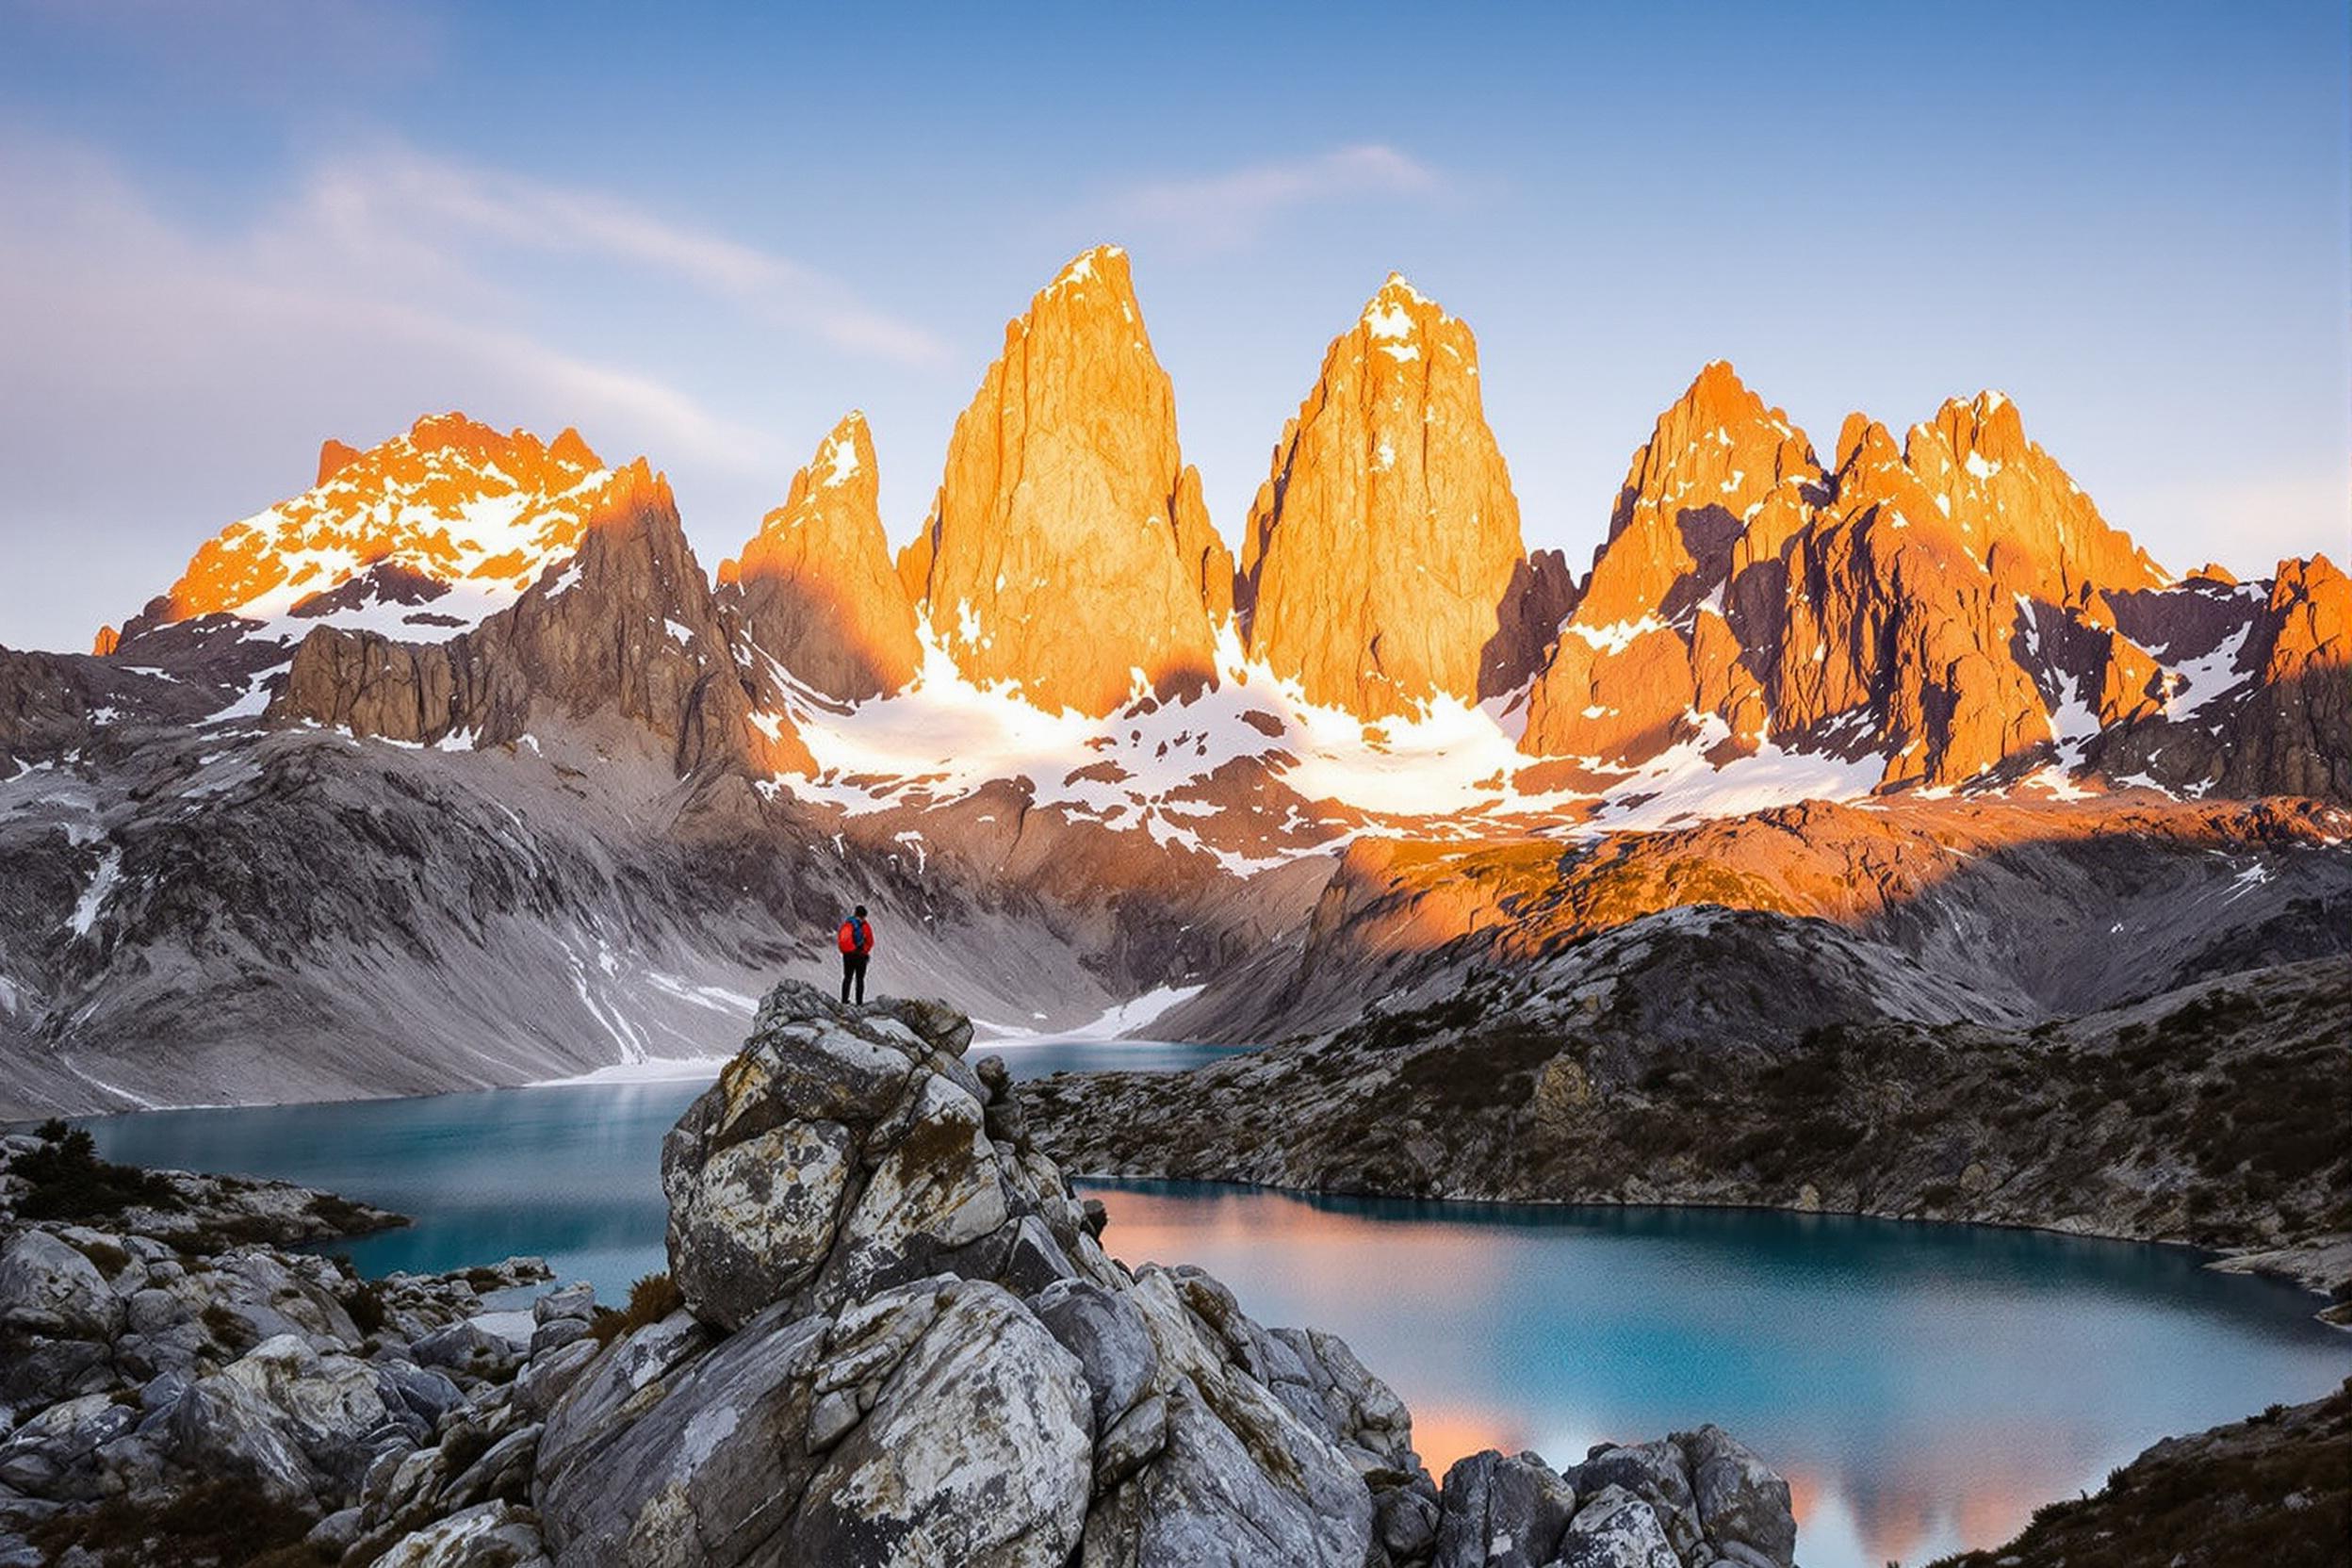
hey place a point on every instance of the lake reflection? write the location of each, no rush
(1924, 1387)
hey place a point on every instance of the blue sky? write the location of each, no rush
(226, 233)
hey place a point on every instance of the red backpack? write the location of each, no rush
(856, 935)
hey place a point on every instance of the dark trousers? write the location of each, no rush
(854, 973)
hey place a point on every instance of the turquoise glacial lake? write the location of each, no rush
(1924, 1387)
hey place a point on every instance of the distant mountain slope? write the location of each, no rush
(1705, 1055)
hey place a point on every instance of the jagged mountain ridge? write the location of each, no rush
(1954, 610)
(389, 770)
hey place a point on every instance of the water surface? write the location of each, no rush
(1924, 1387)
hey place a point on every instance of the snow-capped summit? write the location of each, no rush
(418, 536)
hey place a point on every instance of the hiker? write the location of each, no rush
(857, 941)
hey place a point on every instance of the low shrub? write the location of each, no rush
(650, 1299)
(363, 1302)
(68, 1179)
(217, 1522)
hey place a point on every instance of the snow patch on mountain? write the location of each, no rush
(1451, 768)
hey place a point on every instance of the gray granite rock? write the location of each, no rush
(701, 1463)
(1106, 1332)
(1743, 1505)
(545, 1376)
(1502, 1511)
(1617, 1529)
(47, 1286)
(575, 1301)
(978, 1450)
(1657, 1473)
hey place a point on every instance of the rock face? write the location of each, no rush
(626, 624)
(1068, 548)
(1954, 606)
(903, 1343)
(1651, 643)
(1890, 612)
(2018, 512)
(2258, 695)
(815, 588)
(1382, 564)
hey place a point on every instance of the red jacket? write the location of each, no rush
(856, 935)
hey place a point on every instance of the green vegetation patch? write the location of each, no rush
(70, 1181)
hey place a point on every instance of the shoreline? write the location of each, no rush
(2226, 1260)
(2293, 1263)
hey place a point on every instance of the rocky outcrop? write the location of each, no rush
(1914, 605)
(2274, 1488)
(1382, 564)
(1891, 613)
(1954, 605)
(627, 624)
(165, 1373)
(903, 1343)
(1069, 549)
(334, 457)
(815, 589)
(1812, 1074)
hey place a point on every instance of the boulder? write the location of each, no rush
(49, 1287)
(556, 1333)
(1106, 1332)
(577, 1300)
(1654, 1473)
(466, 1347)
(1209, 1496)
(55, 1455)
(1616, 1530)
(1501, 1511)
(305, 1423)
(1743, 1505)
(755, 1220)
(935, 1190)
(543, 1378)
(702, 1465)
(488, 1535)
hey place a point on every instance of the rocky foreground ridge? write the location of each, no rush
(176, 1386)
(1720, 1056)
(890, 1335)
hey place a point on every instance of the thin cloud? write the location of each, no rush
(1231, 210)
(167, 376)
(397, 194)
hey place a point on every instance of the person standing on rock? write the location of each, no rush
(855, 938)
